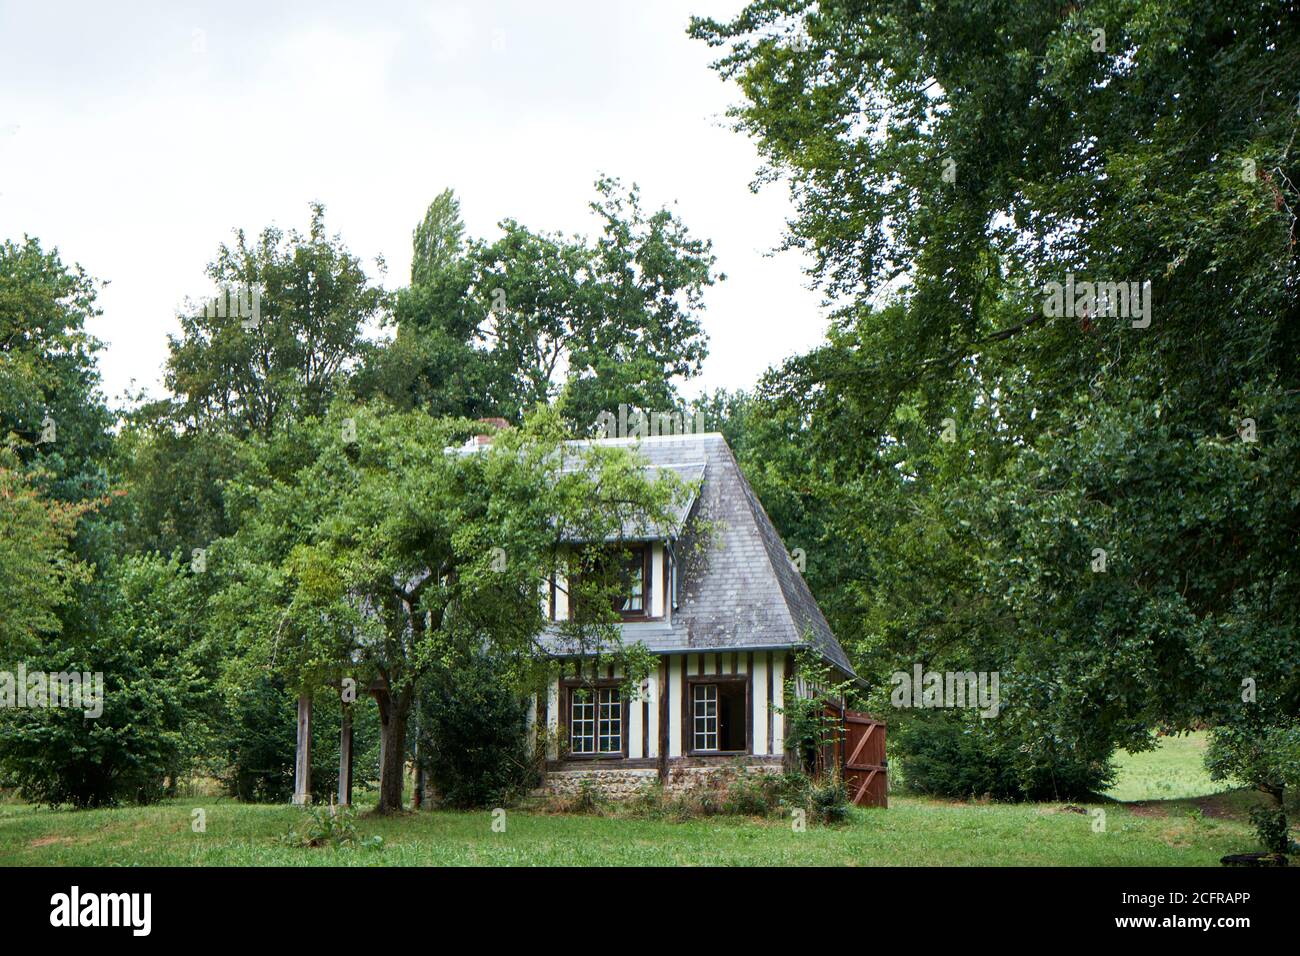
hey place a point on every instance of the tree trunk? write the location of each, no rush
(393, 713)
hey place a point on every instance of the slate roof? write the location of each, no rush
(690, 474)
(741, 591)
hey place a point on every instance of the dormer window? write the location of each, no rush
(636, 582)
(626, 581)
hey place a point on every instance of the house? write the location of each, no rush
(724, 613)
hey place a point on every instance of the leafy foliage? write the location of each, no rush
(1261, 748)
(813, 723)
(258, 738)
(39, 567)
(316, 300)
(158, 705)
(473, 734)
(377, 558)
(496, 328)
(728, 791)
(330, 826)
(953, 459)
(956, 754)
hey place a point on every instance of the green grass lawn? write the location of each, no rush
(1179, 822)
(912, 831)
(1174, 770)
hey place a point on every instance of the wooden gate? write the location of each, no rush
(864, 760)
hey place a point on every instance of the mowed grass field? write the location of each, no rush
(1175, 770)
(1178, 827)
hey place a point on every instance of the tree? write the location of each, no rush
(174, 479)
(55, 542)
(49, 396)
(536, 317)
(385, 552)
(1259, 745)
(250, 373)
(1096, 504)
(37, 567)
(438, 240)
(473, 733)
(157, 677)
(234, 373)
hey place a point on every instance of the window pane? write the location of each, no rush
(582, 723)
(706, 716)
(634, 581)
(610, 728)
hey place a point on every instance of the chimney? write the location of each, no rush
(485, 438)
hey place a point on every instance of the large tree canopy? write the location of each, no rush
(53, 439)
(251, 372)
(37, 567)
(234, 373)
(385, 550)
(966, 455)
(534, 317)
(49, 385)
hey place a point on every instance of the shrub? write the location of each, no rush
(1272, 829)
(650, 801)
(828, 800)
(1261, 748)
(730, 792)
(260, 743)
(473, 734)
(589, 800)
(955, 754)
(158, 703)
(751, 795)
(328, 825)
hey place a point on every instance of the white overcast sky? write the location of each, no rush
(136, 136)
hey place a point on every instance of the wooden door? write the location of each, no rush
(865, 770)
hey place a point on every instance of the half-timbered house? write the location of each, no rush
(724, 611)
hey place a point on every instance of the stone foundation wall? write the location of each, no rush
(619, 783)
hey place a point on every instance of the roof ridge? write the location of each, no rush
(646, 439)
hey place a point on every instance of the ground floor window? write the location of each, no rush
(718, 717)
(595, 721)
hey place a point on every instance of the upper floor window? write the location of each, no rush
(622, 575)
(636, 579)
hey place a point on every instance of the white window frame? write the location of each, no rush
(596, 723)
(704, 709)
(609, 720)
(582, 721)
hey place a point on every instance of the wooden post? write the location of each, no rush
(302, 757)
(417, 799)
(345, 758)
